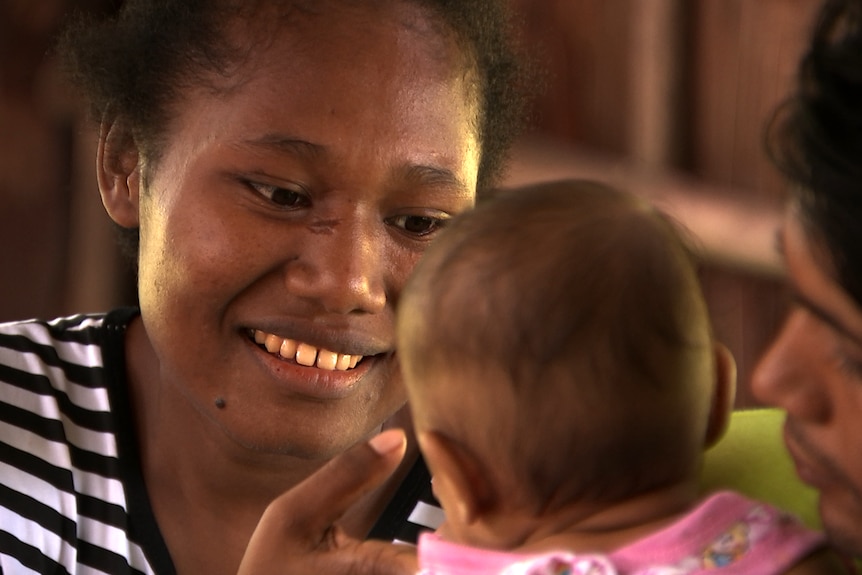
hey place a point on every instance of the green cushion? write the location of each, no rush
(751, 458)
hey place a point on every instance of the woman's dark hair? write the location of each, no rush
(135, 65)
(815, 139)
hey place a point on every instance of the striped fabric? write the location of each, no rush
(72, 498)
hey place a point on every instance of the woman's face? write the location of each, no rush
(814, 371)
(290, 209)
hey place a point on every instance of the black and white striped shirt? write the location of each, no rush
(72, 497)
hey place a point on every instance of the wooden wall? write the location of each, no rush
(57, 250)
(671, 97)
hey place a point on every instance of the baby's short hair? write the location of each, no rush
(581, 303)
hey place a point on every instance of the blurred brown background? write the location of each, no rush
(57, 250)
(665, 97)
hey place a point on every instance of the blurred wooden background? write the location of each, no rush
(670, 98)
(57, 250)
(666, 97)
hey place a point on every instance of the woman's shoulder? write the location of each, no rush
(27, 335)
(63, 350)
(58, 372)
(67, 478)
(70, 339)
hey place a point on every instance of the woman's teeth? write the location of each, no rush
(305, 354)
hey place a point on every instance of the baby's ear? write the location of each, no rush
(459, 480)
(118, 172)
(724, 394)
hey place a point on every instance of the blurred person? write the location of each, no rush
(813, 369)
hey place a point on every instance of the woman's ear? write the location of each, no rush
(459, 482)
(724, 394)
(118, 172)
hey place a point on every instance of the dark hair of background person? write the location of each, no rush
(815, 139)
(134, 66)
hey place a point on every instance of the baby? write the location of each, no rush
(564, 382)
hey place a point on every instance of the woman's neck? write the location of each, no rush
(207, 492)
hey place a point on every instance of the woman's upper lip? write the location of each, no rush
(348, 342)
(793, 450)
(792, 445)
(807, 467)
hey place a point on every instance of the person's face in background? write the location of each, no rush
(294, 205)
(813, 370)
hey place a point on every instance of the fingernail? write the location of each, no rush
(389, 440)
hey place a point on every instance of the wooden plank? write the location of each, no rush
(733, 228)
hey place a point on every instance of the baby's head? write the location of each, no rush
(556, 349)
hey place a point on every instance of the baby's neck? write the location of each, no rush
(597, 528)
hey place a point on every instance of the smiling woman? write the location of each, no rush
(279, 168)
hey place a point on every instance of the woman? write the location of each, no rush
(279, 168)
(813, 370)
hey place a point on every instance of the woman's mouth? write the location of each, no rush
(812, 467)
(303, 353)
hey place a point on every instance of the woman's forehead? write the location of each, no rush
(389, 41)
(324, 19)
(346, 101)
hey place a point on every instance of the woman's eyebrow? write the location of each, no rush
(814, 308)
(285, 144)
(826, 317)
(436, 176)
(421, 173)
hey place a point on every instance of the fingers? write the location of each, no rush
(305, 514)
(388, 559)
(361, 558)
(297, 533)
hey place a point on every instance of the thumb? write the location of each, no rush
(303, 517)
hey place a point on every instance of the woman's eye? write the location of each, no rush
(418, 225)
(283, 197)
(850, 367)
(848, 359)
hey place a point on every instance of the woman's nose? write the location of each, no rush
(790, 374)
(343, 269)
